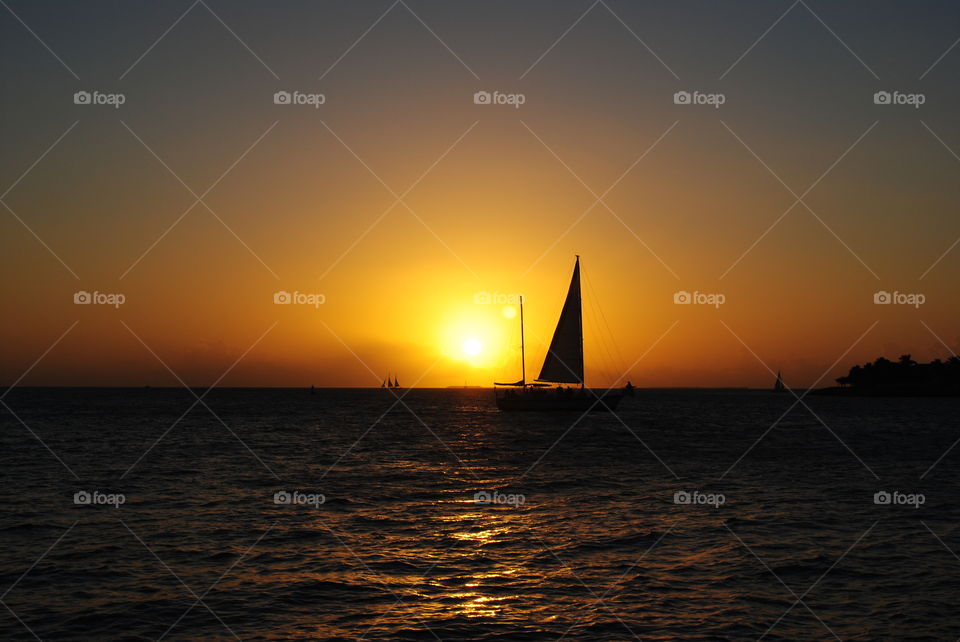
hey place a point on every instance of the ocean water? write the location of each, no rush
(583, 537)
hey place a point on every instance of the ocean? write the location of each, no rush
(344, 514)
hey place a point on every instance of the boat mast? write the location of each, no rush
(580, 323)
(523, 361)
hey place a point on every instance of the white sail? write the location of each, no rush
(564, 360)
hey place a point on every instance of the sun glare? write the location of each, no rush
(477, 336)
(472, 347)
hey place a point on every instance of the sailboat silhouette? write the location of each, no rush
(778, 384)
(390, 384)
(562, 365)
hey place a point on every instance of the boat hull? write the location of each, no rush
(552, 401)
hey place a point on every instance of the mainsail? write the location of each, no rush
(564, 360)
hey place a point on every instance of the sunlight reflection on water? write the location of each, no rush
(401, 547)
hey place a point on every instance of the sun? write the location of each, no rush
(472, 347)
(475, 336)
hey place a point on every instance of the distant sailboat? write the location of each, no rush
(562, 365)
(778, 384)
(388, 383)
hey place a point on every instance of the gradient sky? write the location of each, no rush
(499, 209)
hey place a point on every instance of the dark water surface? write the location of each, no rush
(400, 549)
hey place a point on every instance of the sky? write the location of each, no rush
(782, 199)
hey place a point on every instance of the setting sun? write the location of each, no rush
(387, 288)
(472, 347)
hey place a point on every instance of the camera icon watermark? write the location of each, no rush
(299, 98)
(882, 297)
(298, 498)
(699, 98)
(96, 498)
(896, 498)
(282, 297)
(488, 498)
(899, 98)
(498, 98)
(82, 297)
(496, 298)
(682, 297)
(696, 498)
(98, 98)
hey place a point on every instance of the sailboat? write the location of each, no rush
(387, 383)
(778, 384)
(562, 365)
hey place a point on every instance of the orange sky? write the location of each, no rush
(498, 212)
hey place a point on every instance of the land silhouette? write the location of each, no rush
(904, 377)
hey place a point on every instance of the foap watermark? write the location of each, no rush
(488, 498)
(98, 98)
(299, 98)
(298, 498)
(699, 98)
(682, 297)
(696, 498)
(883, 297)
(82, 297)
(498, 98)
(896, 498)
(96, 498)
(497, 298)
(282, 297)
(899, 98)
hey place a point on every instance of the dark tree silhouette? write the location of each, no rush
(905, 376)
